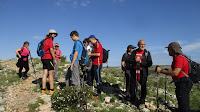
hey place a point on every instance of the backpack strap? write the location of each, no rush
(146, 53)
(188, 62)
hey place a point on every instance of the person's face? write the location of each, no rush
(141, 45)
(56, 47)
(85, 44)
(53, 35)
(131, 50)
(26, 45)
(170, 51)
(73, 37)
(92, 40)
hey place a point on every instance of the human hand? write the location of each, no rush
(158, 69)
(55, 63)
(71, 67)
(89, 53)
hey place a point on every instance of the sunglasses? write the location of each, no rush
(56, 46)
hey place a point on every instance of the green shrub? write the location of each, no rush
(68, 98)
(63, 58)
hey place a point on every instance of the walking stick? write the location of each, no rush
(33, 65)
(165, 92)
(157, 90)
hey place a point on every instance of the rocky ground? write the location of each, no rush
(18, 96)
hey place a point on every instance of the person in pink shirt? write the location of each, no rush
(23, 54)
(58, 57)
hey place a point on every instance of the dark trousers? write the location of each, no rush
(143, 83)
(183, 88)
(96, 74)
(24, 64)
(128, 82)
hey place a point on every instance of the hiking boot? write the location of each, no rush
(51, 92)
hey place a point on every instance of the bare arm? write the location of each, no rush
(93, 54)
(123, 63)
(174, 72)
(74, 59)
(17, 52)
(53, 55)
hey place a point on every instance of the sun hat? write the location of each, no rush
(175, 46)
(52, 31)
(56, 44)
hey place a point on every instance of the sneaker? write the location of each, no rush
(95, 96)
(43, 92)
(51, 92)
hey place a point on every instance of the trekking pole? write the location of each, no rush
(33, 65)
(157, 90)
(165, 92)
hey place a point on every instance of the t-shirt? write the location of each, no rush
(77, 47)
(89, 48)
(48, 43)
(25, 52)
(57, 53)
(97, 60)
(180, 62)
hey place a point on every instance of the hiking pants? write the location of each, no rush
(56, 70)
(128, 81)
(74, 75)
(143, 83)
(183, 88)
(24, 64)
(96, 73)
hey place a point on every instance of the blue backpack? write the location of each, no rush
(84, 56)
(40, 50)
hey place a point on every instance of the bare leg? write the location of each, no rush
(44, 78)
(51, 75)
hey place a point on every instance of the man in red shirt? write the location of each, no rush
(141, 61)
(183, 84)
(47, 61)
(97, 61)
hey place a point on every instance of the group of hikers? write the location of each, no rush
(135, 64)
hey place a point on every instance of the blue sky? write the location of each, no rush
(116, 23)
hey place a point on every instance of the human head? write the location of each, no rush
(74, 35)
(56, 45)
(86, 42)
(130, 48)
(26, 44)
(52, 33)
(92, 39)
(174, 48)
(141, 45)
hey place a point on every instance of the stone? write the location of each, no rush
(107, 99)
(2, 108)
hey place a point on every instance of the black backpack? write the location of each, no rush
(194, 70)
(105, 55)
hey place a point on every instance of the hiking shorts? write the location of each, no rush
(48, 64)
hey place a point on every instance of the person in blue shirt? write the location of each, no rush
(75, 56)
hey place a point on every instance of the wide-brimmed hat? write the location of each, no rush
(52, 31)
(175, 46)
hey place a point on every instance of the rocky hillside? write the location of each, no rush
(18, 95)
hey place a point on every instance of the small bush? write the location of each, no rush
(63, 58)
(68, 98)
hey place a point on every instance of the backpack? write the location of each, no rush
(84, 56)
(105, 55)
(194, 70)
(20, 52)
(40, 51)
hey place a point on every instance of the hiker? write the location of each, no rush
(47, 61)
(58, 60)
(87, 68)
(126, 67)
(97, 61)
(141, 60)
(23, 59)
(73, 70)
(183, 84)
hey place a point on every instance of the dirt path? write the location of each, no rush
(20, 95)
